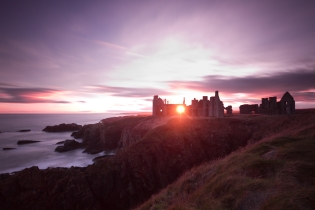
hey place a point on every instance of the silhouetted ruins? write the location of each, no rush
(249, 109)
(214, 107)
(202, 108)
(286, 106)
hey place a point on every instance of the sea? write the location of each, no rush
(41, 154)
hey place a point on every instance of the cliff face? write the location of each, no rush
(163, 154)
(106, 134)
(117, 132)
(155, 151)
(135, 131)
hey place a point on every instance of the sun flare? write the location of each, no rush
(180, 109)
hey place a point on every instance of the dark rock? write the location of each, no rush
(76, 135)
(25, 130)
(55, 188)
(8, 148)
(93, 150)
(4, 176)
(80, 133)
(71, 143)
(27, 141)
(60, 142)
(61, 149)
(108, 134)
(102, 157)
(62, 127)
(79, 168)
(68, 145)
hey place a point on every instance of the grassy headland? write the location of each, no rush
(275, 173)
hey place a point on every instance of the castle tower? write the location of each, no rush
(154, 104)
(264, 103)
(158, 108)
(205, 106)
(194, 107)
(218, 106)
(211, 107)
(273, 105)
(287, 104)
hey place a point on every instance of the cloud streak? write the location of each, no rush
(28, 95)
(297, 81)
(129, 92)
(175, 48)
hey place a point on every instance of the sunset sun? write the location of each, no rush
(180, 109)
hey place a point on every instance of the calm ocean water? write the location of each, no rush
(41, 154)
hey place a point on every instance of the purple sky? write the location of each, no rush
(113, 56)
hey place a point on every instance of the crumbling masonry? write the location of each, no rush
(202, 108)
(286, 106)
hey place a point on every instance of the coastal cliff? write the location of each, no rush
(116, 132)
(153, 152)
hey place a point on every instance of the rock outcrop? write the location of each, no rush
(24, 130)
(8, 148)
(76, 135)
(69, 144)
(134, 132)
(62, 127)
(108, 134)
(116, 132)
(27, 142)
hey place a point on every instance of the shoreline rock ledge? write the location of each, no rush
(27, 142)
(24, 130)
(63, 127)
(8, 148)
(69, 144)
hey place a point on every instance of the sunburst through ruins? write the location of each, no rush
(202, 108)
(215, 107)
(180, 109)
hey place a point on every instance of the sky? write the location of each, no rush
(113, 56)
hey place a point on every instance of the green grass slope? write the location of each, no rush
(277, 172)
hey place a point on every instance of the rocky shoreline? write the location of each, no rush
(109, 134)
(62, 127)
(150, 154)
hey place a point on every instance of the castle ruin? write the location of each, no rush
(202, 108)
(249, 109)
(270, 106)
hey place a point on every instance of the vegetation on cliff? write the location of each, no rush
(277, 173)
